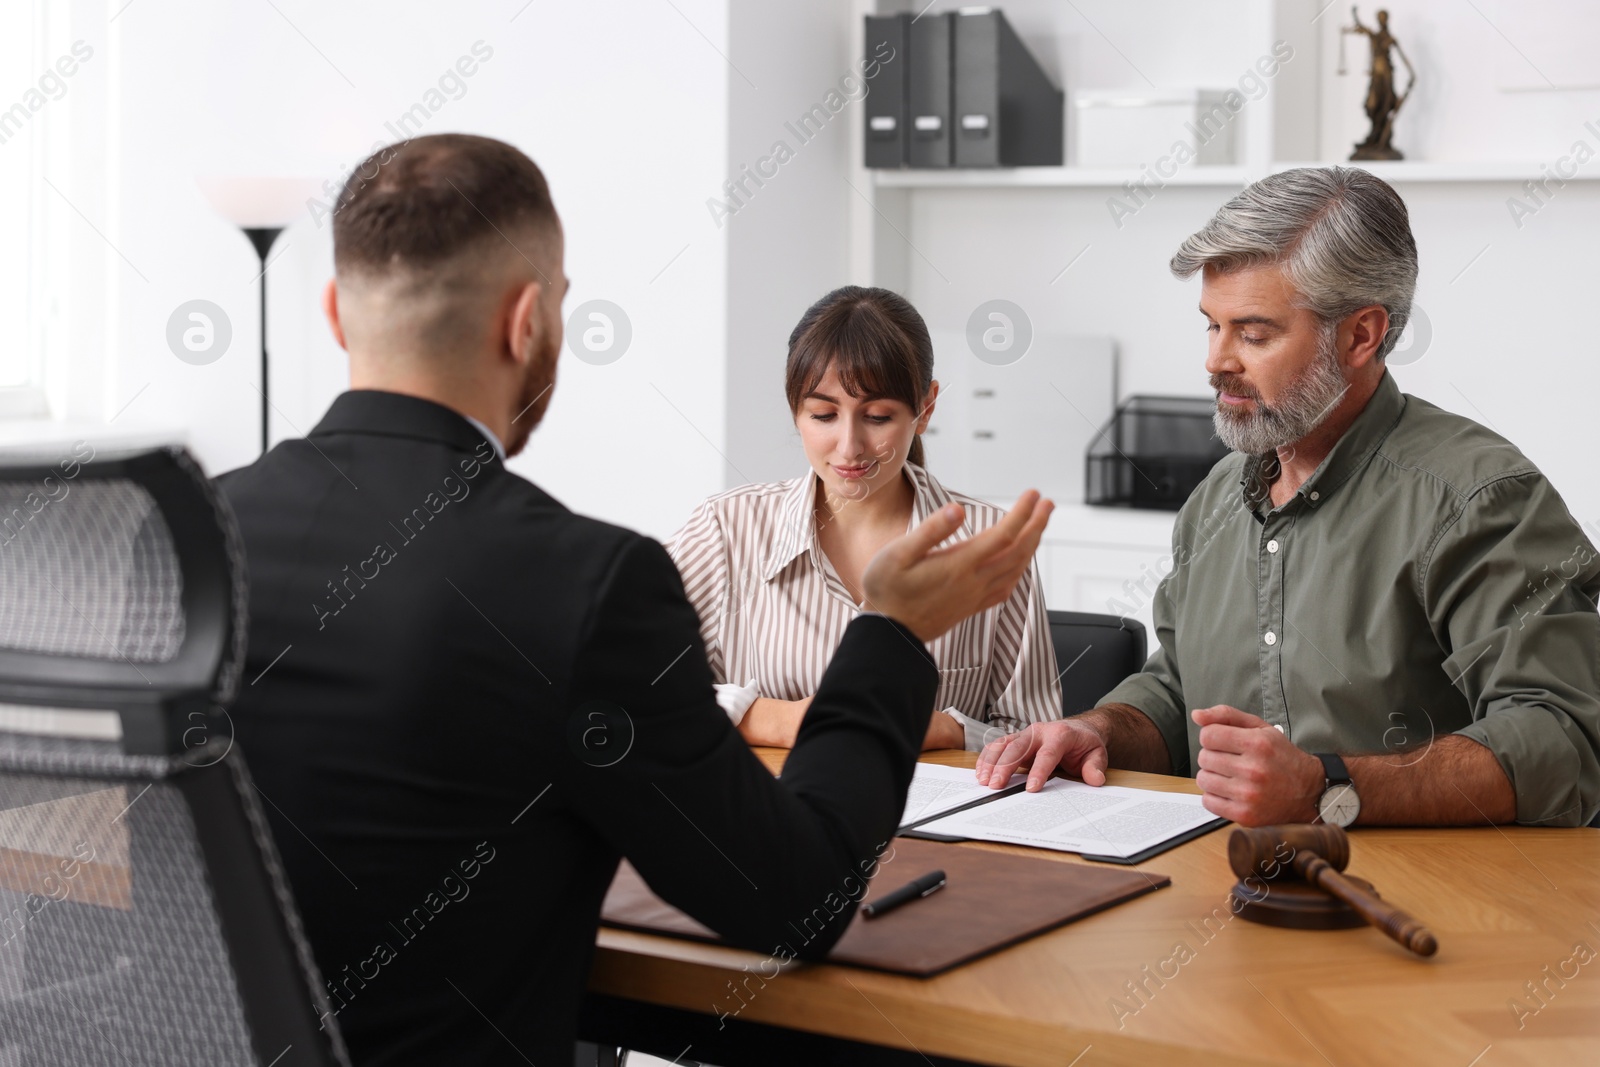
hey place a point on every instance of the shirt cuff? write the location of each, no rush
(736, 699)
(975, 733)
(1538, 750)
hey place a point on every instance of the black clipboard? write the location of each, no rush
(1155, 850)
(904, 831)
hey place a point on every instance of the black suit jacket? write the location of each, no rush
(464, 703)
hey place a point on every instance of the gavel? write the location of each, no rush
(1317, 854)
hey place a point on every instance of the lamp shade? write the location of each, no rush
(258, 202)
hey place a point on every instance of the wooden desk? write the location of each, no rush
(1506, 904)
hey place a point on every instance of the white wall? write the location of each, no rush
(1500, 82)
(627, 116)
(789, 242)
(1514, 344)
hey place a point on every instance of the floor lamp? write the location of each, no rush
(262, 208)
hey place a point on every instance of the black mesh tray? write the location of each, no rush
(1152, 453)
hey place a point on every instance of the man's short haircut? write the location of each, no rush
(422, 202)
(1341, 235)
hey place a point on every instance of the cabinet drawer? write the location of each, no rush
(1108, 581)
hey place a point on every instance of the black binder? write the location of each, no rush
(887, 143)
(929, 93)
(1006, 111)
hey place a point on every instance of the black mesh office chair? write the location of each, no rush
(1093, 654)
(144, 918)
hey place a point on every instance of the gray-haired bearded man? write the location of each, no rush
(1380, 612)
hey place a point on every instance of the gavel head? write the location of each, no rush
(1268, 852)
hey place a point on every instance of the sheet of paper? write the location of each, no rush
(936, 790)
(1072, 817)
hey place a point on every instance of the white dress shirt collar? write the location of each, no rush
(488, 434)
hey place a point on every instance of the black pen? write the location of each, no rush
(931, 882)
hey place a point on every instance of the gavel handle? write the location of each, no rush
(1385, 916)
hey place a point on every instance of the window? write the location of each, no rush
(32, 122)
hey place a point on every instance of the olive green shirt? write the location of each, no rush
(1426, 580)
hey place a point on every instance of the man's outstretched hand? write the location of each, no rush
(930, 589)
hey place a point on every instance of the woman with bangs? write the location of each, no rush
(774, 570)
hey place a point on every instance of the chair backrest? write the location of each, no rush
(1093, 654)
(144, 916)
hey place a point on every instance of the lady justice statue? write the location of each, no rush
(1383, 104)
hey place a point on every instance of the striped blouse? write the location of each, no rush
(773, 608)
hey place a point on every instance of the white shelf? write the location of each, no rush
(1215, 177)
(1476, 171)
(1051, 177)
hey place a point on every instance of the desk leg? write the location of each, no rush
(685, 1036)
(587, 1054)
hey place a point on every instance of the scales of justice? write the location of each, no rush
(1383, 103)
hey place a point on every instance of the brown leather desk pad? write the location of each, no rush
(991, 900)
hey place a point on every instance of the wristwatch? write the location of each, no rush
(1338, 805)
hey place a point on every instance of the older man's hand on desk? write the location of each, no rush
(1081, 745)
(1251, 773)
(1073, 745)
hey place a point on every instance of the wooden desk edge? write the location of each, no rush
(848, 1013)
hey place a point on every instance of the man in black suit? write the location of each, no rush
(467, 702)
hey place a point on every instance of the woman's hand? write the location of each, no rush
(944, 732)
(774, 723)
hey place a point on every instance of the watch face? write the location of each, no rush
(1339, 805)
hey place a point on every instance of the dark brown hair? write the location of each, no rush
(420, 202)
(876, 342)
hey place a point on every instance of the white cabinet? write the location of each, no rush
(1000, 428)
(1106, 560)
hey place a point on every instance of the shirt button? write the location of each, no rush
(1271, 638)
(1315, 495)
(1272, 546)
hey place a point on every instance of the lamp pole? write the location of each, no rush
(262, 238)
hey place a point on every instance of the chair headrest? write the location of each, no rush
(122, 588)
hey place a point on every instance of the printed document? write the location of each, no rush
(936, 790)
(1069, 816)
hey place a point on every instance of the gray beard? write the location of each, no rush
(1301, 409)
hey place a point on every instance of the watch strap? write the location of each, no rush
(1333, 769)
